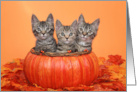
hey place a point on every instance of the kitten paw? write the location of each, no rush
(86, 50)
(69, 51)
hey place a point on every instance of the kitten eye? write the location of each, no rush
(70, 34)
(80, 29)
(38, 29)
(47, 28)
(62, 34)
(90, 33)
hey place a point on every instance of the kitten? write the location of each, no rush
(43, 31)
(66, 36)
(86, 33)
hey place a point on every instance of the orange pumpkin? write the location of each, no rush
(59, 72)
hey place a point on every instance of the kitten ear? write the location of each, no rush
(74, 25)
(50, 19)
(95, 24)
(58, 25)
(81, 20)
(34, 20)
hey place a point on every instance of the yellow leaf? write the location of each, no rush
(4, 82)
(100, 60)
(116, 75)
(5, 69)
(17, 61)
(123, 65)
(50, 89)
(16, 69)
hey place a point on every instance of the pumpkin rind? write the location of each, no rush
(59, 72)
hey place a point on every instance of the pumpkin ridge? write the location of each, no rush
(62, 67)
(40, 71)
(68, 71)
(81, 71)
(72, 70)
(26, 58)
(96, 64)
(45, 72)
(52, 72)
(91, 67)
(35, 75)
(30, 70)
(26, 65)
(49, 72)
(64, 72)
(87, 69)
(58, 72)
(76, 73)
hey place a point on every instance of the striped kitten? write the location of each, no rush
(66, 36)
(43, 31)
(86, 33)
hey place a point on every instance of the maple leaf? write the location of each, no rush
(123, 65)
(101, 60)
(4, 82)
(116, 59)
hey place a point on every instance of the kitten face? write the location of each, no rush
(66, 34)
(42, 29)
(87, 31)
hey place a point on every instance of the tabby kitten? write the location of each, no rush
(86, 33)
(66, 37)
(43, 31)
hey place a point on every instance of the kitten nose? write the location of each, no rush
(84, 33)
(66, 37)
(43, 32)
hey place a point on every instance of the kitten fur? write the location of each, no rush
(66, 37)
(43, 31)
(86, 33)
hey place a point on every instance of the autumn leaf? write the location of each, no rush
(116, 59)
(4, 82)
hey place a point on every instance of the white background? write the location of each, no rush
(133, 22)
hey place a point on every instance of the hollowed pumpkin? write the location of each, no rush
(62, 71)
